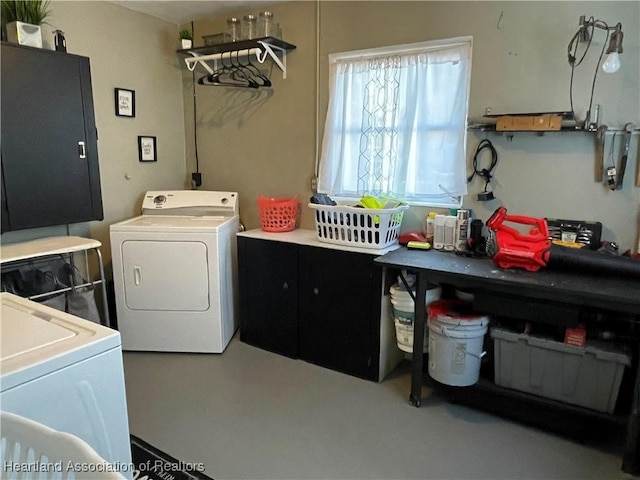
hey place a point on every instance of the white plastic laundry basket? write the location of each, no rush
(358, 227)
(52, 454)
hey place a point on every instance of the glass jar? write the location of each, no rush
(266, 27)
(233, 29)
(249, 27)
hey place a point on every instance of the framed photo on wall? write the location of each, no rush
(147, 149)
(125, 102)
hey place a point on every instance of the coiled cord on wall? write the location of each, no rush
(485, 172)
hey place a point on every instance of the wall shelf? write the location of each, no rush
(488, 123)
(488, 127)
(262, 48)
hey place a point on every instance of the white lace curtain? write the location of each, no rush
(396, 125)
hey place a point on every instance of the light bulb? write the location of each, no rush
(611, 64)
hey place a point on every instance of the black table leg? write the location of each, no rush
(415, 398)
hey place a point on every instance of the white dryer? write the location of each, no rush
(174, 272)
(65, 372)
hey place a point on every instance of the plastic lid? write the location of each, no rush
(400, 288)
(455, 312)
(432, 215)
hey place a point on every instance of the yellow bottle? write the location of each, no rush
(429, 226)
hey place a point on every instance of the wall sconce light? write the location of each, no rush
(611, 64)
(585, 34)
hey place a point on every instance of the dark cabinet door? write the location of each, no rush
(49, 145)
(4, 213)
(268, 295)
(338, 321)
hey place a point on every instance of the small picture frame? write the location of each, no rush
(147, 149)
(125, 102)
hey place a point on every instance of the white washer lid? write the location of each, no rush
(15, 323)
(172, 223)
(36, 340)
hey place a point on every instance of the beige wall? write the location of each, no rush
(259, 142)
(137, 52)
(265, 143)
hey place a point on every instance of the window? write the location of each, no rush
(396, 123)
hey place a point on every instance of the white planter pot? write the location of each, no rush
(24, 34)
(186, 43)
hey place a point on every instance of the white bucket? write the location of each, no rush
(403, 313)
(455, 344)
(403, 321)
(400, 294)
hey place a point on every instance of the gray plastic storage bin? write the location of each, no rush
(587, 376)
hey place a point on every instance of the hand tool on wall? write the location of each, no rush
(638, 168)
(611, 169)
(600, 136)
(625, 153)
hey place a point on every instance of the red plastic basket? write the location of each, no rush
(278, 214)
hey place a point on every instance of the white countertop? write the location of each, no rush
(310, 238)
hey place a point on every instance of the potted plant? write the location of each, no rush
(186, 37)
(23, 18)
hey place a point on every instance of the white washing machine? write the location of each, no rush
(174, 272)
(64, 372)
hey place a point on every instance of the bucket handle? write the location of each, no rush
(444, 329)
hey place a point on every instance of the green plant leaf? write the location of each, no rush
(29, 11)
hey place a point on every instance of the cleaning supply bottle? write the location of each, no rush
(429, 226)
(462, 230)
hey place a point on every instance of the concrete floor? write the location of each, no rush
(251, 414)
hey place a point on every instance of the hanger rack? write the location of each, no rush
(262, 48)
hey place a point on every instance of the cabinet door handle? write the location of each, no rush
(137, 276)
(285, 286)
(82, 150)
(316, 291)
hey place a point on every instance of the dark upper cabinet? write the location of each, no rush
(4, 213)
(50, 172)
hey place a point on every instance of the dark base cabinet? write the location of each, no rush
(317, 304)
(339, 310)
(268, 282)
